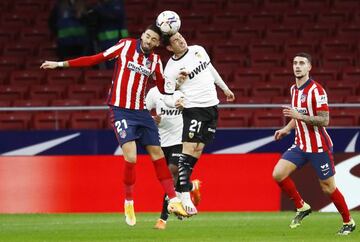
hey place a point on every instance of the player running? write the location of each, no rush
(309, 113)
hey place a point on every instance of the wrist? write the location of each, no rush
(60, 64)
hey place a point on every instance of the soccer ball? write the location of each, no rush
(169, 22)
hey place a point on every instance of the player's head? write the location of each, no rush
(302, 65)
(175, 43)
(150, 39)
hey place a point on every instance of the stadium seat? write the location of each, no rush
(297, 17)
(47, 50)
(324, 74)
(341, 88)
(13, 92)
(343, 118)
(15, 20)
(253, 100)
(4, 77)
(316, 31)
(26, 77)
(139, 6)
(278, 5)
(280, 32)
(333, 17)
(352, 99)
(247, 32)
(345, 4)
(19, 49)
(9, 63)
(206, 5)
(234, 118)
(191, 20)
(85, 92)
(98, 76)
(241, 90)
(50, 120)
(336, 46)
(264, 47)
(294, 46)
(281, 74)
(228, 48)
(241, 6)
(213, 33)
(249, 75)
(15, 120)
(350, 31)
(230, 19)
(313, 5)
(351, 73)
(7, 35)
(46, 92)
(64, 77)
(266, 89)
(5, 103)
(98, 102)
(87, 120)
(32, 63)
(266, 60)
(263, 18)
(336, 99)
(281, 100)
(174, 5)
(30, 103)
(232, 61)
(68, 102)
(268, 118)
(34, 35)
(33, 6)
(331, 60)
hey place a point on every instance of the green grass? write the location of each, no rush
(203, 227)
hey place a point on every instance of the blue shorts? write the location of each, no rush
(322, 162)
(131, 124)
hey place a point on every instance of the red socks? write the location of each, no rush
(338, 199)
(129, 179)
(164, 176)
(288, 186)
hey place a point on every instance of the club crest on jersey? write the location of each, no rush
(198, 55)
(122, 134)
(303, 98)
(191, 135)
(148, 63)
(138, 68)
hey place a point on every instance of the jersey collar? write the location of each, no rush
(303, 86)
(176, 59)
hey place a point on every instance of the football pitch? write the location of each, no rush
(203, 227)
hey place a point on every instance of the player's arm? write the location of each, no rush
(84, 60)
(220, 83)
(279, 134)
(321, 119)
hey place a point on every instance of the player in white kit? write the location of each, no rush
(200, 112)
(170, 124)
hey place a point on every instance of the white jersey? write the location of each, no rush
(171, 124)
(199, 88)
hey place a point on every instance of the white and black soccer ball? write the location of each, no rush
(169, 22)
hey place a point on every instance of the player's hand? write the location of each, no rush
(180, 79)
(179, 104)
(49, 65)
(157, 119)
(291, 112)
(230, 97)
(281, 133)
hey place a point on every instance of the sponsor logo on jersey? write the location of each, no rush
(322, 99)
(170, 112)
(198, 69)
(191, 135)
(301, 110)
(138, 68)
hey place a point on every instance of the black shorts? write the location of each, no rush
(172, 154)
(199, 124)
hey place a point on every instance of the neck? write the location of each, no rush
(300, 81)
(180, 54)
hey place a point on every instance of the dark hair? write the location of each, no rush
(154, 28)
(305, 55)
(165, 39)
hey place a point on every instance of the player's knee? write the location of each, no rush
(327, 188)
(277, 176)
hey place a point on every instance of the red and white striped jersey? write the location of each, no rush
(131, 73)
(309, 99)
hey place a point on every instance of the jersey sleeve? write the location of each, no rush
(321, 99)
(203, 52)
(150, 99)
(110, 53)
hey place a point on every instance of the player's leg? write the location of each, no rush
(129, 179)
(290, 161)
(324, 165)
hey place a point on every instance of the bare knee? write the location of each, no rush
(327, 188)
(282, 170)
